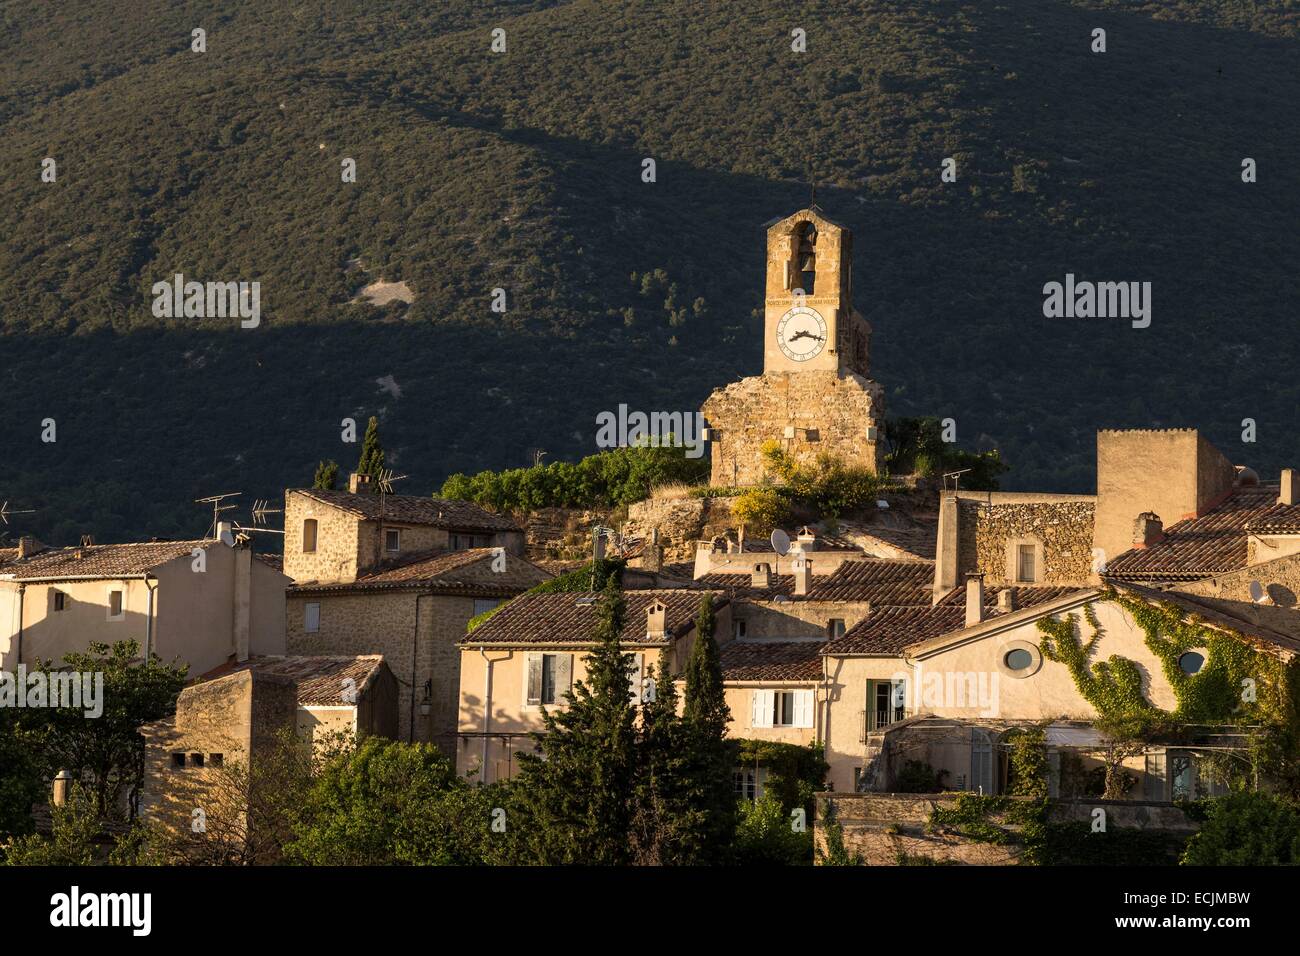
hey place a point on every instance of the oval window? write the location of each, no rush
(1019, 659)
(1191, 662)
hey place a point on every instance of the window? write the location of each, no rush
(784, 708)
(1025, 563)
(392, 540)
(748, 782)
(1191, 662)
(115, 611)
(549, 678)
(311, 618)
(738, 628)
(835, 628)
(196, 760)
(483, 605)
(885, 702)
(309, 536)
(1018, 659)
(60, 600)
(178, 761)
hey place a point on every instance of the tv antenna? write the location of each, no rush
(261, 508)
(217, 507)
(385, 480)
(5, 512)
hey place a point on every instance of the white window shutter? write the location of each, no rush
(563, 675)
(763, 701)
(534, 688)
(803, 708)
(634, 681)
(311, 618)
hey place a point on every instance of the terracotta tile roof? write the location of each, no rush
(469, 569)
(1199, 547)
(318, 678)
(275, 561)
(879, 581)
(570, 617)
(101, 560)
(772, 660)
(890, 630)
(1279, 519)
(413, 509)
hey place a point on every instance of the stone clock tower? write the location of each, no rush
(814, 396)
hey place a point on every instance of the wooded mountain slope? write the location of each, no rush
(522, 171)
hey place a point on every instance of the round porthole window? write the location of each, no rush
(1191, 662)
(1018, 659)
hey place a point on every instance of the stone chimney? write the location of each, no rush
(226, 532)
(802, 576)
(62, 784)
(358, 484)
(1287, 497)
(27, 546)
(653, 558)
(1147, 530)
(974, 599)
(656, 621)
(807, 540)
(762, 576)
(1007, 600)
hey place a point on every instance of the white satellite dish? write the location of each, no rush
(780, 542)
(1256, 592)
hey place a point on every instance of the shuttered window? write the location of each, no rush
(782, 708)
(311, 618)
(550, 677)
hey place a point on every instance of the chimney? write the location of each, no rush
(762, 576)
(27, 546)
(243, 602)
(1147, 530)
(62, 784)
(1007, 600)
(358, 484)
(1287, 497)
(226, 532)
(656, 621)
(802, 576)
(807, 540)
(974, 599)
(597, 546)
(653, 559)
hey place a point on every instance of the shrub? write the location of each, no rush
(1247, 829)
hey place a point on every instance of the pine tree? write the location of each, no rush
(706, 716)
(576, 796)
(372, 452)
(327, 476)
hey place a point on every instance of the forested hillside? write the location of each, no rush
(522, 170)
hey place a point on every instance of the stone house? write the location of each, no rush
(203, 764)
(199, 602)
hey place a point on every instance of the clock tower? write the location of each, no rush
(809, 320)
(814, 397)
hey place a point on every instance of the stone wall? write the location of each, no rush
(1064, 529)
(681, 522)
(360, 622)
(337, 545)
(883, 826)
(758, 409)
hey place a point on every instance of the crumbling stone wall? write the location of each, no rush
(1065, 529)
(681, 522)
(758, 409)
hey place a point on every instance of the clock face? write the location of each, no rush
(801, 333)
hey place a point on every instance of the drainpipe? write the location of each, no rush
(148, 617)
(22, 589)
(487, 713)
(415, 649)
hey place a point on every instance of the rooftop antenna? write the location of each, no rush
(218, 507)
(5, 512)
(261, 508)
(384, 479)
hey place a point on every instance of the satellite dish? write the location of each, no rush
(1256, 592)
(780, 542)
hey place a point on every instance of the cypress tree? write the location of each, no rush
(327, 476)
(706, 717)
(372, 452)
(577, 795)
